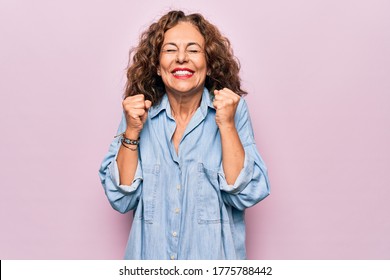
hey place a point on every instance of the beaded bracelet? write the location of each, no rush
(132, 149)
(130, 141)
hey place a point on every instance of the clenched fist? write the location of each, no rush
(225, 103)
(136, 112)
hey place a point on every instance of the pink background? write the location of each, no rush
(318, 76)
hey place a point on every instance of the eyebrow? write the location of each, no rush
(188, 45)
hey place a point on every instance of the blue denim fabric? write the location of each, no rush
(183, 206)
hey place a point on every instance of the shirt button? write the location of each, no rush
(172, 257)
(174, 234)
(178, 187)
(177, 210)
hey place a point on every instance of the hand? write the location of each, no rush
(225, 103)
(136, 112)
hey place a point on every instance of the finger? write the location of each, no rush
(135, 97)
(134, 101)
(148, 104)
(144, 117)
(227, 92)
(222, 94)
(218, 96)
(217, 104)
(223, 97)
(130, 109)
(128, 102)
(229, 96)
(136, 113)
(139, 96)
(137, 105)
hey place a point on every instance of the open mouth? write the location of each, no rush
(182, 73)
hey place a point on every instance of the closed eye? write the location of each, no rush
(170, 50)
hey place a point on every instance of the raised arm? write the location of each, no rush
(136, 112)
(243, 178)
(233, 155)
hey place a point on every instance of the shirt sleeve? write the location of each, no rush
(252, 184)
(122, 198)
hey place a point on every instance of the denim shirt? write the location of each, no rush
(183, 206)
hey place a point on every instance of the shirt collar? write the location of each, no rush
(164, 104)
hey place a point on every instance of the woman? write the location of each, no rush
(185, 159)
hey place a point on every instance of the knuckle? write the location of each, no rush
(126, 108)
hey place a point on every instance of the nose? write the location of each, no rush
(182, 56)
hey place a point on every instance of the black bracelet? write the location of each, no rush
(123, 144)
(130, 141)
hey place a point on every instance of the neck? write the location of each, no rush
(183, 107)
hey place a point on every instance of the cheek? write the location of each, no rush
(202, 64)
(163, 65)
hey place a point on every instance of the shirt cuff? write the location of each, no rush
(243, 179)
(126, 189)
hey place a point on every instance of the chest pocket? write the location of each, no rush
(210, 207)
(151, 174)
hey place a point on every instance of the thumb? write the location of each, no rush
(148, 104)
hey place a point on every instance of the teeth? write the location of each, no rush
(182, 73)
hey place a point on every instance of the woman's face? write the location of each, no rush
(183, 64)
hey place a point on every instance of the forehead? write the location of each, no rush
(182, 33)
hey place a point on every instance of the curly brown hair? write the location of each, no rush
(223, 66)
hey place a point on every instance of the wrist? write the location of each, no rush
(231, 127)
(132, 134)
